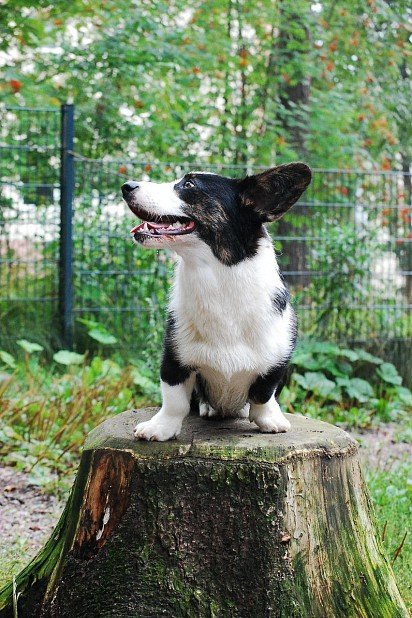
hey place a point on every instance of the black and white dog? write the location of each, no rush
(231, 329)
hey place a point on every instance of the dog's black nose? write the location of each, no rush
(129, 186)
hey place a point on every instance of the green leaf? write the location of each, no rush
(65, 357)
(389, 374)
(350, 354)
(30, 346)
(8, 359)
(300, 379)
(101, 335)
(405, 395)
(89, 323)
(336, 368)
(305, 360)
(359, 389)
(319, 383)
(369, 358)
(145, 385)
(98, 332)
(325, 347)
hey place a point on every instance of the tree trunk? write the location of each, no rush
(224, 522)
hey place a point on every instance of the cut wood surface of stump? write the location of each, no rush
(223, 522)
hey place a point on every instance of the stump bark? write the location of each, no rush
(223, 522)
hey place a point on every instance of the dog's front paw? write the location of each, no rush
(268, 417)
(270, 425)
(160, 428)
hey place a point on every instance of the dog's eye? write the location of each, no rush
(188, 184)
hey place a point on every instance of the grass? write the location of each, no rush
(47, 409)
(13, 559)
(391, 492)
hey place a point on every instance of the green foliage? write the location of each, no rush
(66, 357)
(389, 373)
(46, 410)
(29, 346)
(349, 387)
(261, 81)
(342, 256)
(98, 332)
(7, 359)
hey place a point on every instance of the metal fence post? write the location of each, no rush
(66, 224)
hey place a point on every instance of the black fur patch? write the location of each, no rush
(229, 213)
(214, 204)
(273, 192)
(293, 330)
(264, 386)
(201, 389)
(172, 371)
(280, 300)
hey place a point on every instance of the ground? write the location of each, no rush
(28, 515)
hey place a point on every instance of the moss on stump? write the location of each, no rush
(223, 522)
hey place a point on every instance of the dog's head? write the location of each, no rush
(225, 213)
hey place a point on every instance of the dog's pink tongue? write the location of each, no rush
(163, 226)
(157, 225)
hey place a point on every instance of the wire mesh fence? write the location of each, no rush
(29, 220)
(345, 248)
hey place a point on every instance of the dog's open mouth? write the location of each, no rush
(162, 226)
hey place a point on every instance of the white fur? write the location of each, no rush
(158, 198)
(268, 416)
(225, 322)
(225, 325)
(167, 423)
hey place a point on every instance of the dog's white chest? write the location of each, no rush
(224, 316)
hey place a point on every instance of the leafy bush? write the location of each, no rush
(341, 288)
(345, 386)
(46, 410)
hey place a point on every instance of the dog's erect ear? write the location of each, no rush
(273, 192)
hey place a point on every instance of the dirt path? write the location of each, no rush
(382, 448)
(28, 516)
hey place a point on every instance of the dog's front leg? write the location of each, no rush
(167, 423)
(264, 409)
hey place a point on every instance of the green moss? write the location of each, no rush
(350, 577)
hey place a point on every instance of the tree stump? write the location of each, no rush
(223, 522)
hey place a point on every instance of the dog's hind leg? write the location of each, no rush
(264, 409)
(206, 410)
(244, 412)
